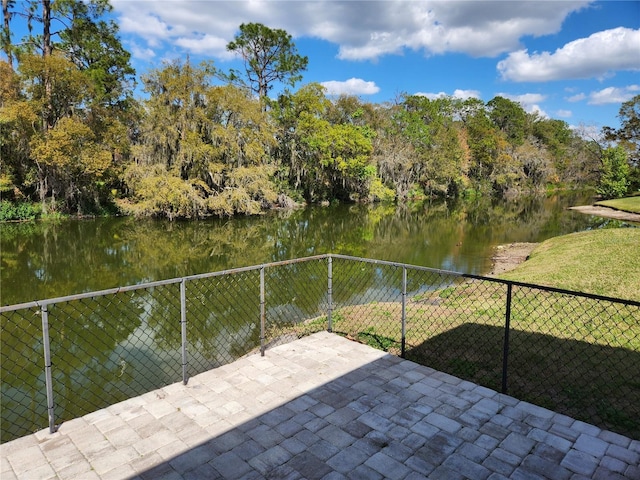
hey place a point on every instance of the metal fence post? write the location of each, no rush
(404, 313)
(47, 368)
(183, 328)
(330, 294)
(262, 314)
(507, 328)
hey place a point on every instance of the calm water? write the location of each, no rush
(51, 259)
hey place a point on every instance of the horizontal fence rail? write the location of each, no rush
(572, 352)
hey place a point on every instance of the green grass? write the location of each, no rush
(627, 204)
(603, 262)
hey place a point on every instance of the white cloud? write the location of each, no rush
(206, 44)
(564, 113)
(148, 27)
(353, 86)
(594, 56)
(363, 30)
(141, 52)
(464, 94)
(613, 95)
(537, 109)
(457, 93)
(576, 98)
(441, 26)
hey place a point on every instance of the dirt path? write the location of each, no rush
(607, 213)
(508, 257)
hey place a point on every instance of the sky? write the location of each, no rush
(571, 60)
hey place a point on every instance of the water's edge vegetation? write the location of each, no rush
(205, 142)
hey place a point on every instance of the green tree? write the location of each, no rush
(269, 56)
(77, 72)
(325, 161)
(5, 33)
(614, 181)
(175, 131)
(555, 135)
(510, 118)
(65, 89)
(628, 136)
(203, 149)
(428, 125)
(92, 44)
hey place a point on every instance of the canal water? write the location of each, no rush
(42, 260)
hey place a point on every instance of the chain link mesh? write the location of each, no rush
(458, 327)
(295, 300)
(106, 349)
(223, 319)
(578, 356)
(575, 354)
(367, 304)
(23, 395)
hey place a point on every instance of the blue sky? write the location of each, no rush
(572, 60)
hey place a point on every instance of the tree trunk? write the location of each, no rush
(6, 32)
(47, 49)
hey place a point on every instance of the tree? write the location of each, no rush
(75, 77)
(5, 34)
(509, 117)
(17, 120)
(487, 145)
(629, 131)
(628, 136)
(325, 161)
(615, 170)
(92, 44)
(203, 149)
(86, 39)
(269, 56)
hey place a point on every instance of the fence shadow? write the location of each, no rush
(596, 383)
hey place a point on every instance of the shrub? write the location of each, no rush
(614, 181)
(19, 211)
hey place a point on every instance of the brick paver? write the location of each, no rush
(327, 408)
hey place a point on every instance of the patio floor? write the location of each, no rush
(327, 408)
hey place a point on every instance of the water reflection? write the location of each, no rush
(51, 259)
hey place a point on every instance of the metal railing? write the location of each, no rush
(574, 353)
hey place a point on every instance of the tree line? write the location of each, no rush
(74, 139)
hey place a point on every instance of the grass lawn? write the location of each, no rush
(603, 262)
(627, 204)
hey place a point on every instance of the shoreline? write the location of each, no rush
(507, 257)
(607, 212)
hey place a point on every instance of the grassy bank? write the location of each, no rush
(628, 204)
(603, 262)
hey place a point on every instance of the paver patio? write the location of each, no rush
(328, 408)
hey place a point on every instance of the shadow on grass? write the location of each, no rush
(598, 384)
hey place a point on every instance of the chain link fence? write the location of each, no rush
(574, 353)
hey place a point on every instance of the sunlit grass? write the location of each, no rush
(627, 204)
(603, 262)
